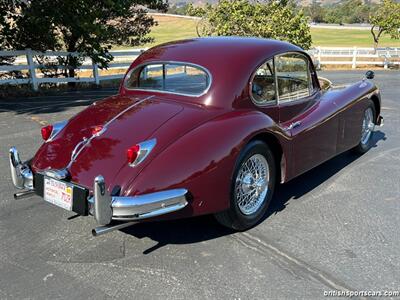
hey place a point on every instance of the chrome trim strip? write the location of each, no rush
(82, 144)
(57, 174)
(77, 150)
(210, 79)
(270, 102)
(125, 110)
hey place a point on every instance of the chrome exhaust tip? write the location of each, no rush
(23, 194)
(108, 228)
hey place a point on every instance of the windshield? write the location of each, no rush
(178, 78)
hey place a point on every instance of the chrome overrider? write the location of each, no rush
(104, 207)
(21, 174)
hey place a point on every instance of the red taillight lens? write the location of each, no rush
(46, 132)
(133, 153)
(96, 129)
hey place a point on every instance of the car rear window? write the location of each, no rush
(179, 78)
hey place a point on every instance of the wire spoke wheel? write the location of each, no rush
(251, 185)
(368, 126)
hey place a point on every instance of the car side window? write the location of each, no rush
(263, 84)
(293, 76)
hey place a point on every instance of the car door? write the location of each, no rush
(311, 122)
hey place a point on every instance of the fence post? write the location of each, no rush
(32, 69)
(318, 58)
(354, 64)
(96, 73)
(386, 60)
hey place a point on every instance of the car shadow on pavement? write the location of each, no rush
(194, 230)
(308, 181)
(182, 231)
(54, 103)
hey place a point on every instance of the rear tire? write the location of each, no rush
(367, 129)
(252, 187)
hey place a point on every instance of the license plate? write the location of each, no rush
(58, 193)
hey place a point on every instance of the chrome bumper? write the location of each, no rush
(21, 174)
(104, 207)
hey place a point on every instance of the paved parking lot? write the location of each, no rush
(335, 227)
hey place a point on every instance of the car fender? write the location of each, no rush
(202, 161)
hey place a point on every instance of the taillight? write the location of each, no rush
(133, 153)
(138, 153)
(97, 129)
(46, 132)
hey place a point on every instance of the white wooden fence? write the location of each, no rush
(25, 62)
(355, 56)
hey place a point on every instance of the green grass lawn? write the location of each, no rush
(348, 38)
(172, 28)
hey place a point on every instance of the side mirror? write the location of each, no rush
(370, 74)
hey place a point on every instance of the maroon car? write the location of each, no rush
(200, 126)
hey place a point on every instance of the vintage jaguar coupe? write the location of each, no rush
(199, 126)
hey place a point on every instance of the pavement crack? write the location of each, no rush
(289, 262)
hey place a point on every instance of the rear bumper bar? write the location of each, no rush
(104, 207)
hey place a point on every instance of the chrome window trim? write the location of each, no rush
(311, 91)
(172, 62)
(267, 103)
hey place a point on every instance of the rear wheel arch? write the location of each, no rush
(377, 104)
(277, 151)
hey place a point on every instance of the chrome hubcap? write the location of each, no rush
(251, 185)
(368, 126)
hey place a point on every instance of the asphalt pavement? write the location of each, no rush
(335, 227)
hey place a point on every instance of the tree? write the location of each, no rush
(177, 10)
(196, 11)
(316, 12)
(346, 11)
(386, 20)
(4, 17)
(90, 27)
(272, 19)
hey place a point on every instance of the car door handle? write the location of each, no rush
(293, 125)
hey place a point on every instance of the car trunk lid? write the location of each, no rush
(121, 121)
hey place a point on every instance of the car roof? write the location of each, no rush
(231, 61)
(209, 50)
